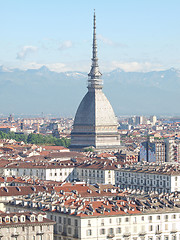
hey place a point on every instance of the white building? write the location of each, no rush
(45, 171)
(146, 218)
(160, 178)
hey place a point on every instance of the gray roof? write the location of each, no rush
(95, 110)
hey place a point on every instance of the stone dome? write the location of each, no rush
(95, 110)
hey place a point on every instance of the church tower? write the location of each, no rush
(95, 124)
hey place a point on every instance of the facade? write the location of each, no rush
(154, 217)
(160, 151)
(25, 226)
(95, 124)
(152, 151)
(148, 178)
(57, 172)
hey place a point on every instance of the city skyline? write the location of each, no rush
(133, 36)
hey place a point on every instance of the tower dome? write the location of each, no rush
(95, 123)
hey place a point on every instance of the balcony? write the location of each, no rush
(15, 235)
(158, 232)
(142, 234)
(39, 233)
(110, 235)
(75, 236)
(126, 234)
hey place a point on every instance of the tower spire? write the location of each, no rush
(94, 75)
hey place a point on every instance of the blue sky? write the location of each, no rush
(134, 35)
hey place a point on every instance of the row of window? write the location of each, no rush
(131, 174)
(64, 221)
(135, 219)
(112, 231)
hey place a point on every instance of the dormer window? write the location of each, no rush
(22, 218)
(32, 218)
(40, 218)
(15, 219)
(7, 219)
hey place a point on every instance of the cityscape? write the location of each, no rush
(77, 161)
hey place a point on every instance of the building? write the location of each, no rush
(159, 151)
(153, 151)
(149, 217)
(156, 178)
(95, 124)
(7, 129)
(25, 226)
(172, 150)
(153, 119)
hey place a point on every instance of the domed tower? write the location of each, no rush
(95, 123)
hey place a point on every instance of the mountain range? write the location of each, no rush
(42, 90)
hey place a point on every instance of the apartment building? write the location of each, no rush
(149, 217)
(159, 178)
(25, 226)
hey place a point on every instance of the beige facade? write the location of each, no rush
(25, 226)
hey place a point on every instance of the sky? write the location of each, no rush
(134, 35)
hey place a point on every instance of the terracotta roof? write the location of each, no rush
(11, 221)
(23, 190)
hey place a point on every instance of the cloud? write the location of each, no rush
(109, 42)
(26, 50)
(136, 66)
(56, 67)
(105, 40)
(65, 45)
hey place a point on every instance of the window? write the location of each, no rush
(118, 230)
(118, 220)
(69, 230)
(151, 228)
(32, 218)
(33, 228)
(76, 223)
(69, 221)
(89, 232)
(89, 223)
(22, 218)
(60, 228)
(110, 220)
(142, 218)
(150, 218)
(102, 222)
(111, 230)
(23, 229)
(174, 216)
(166, 226)
(158, 217)
(102, 231)
(59, 219)
(126, 219)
